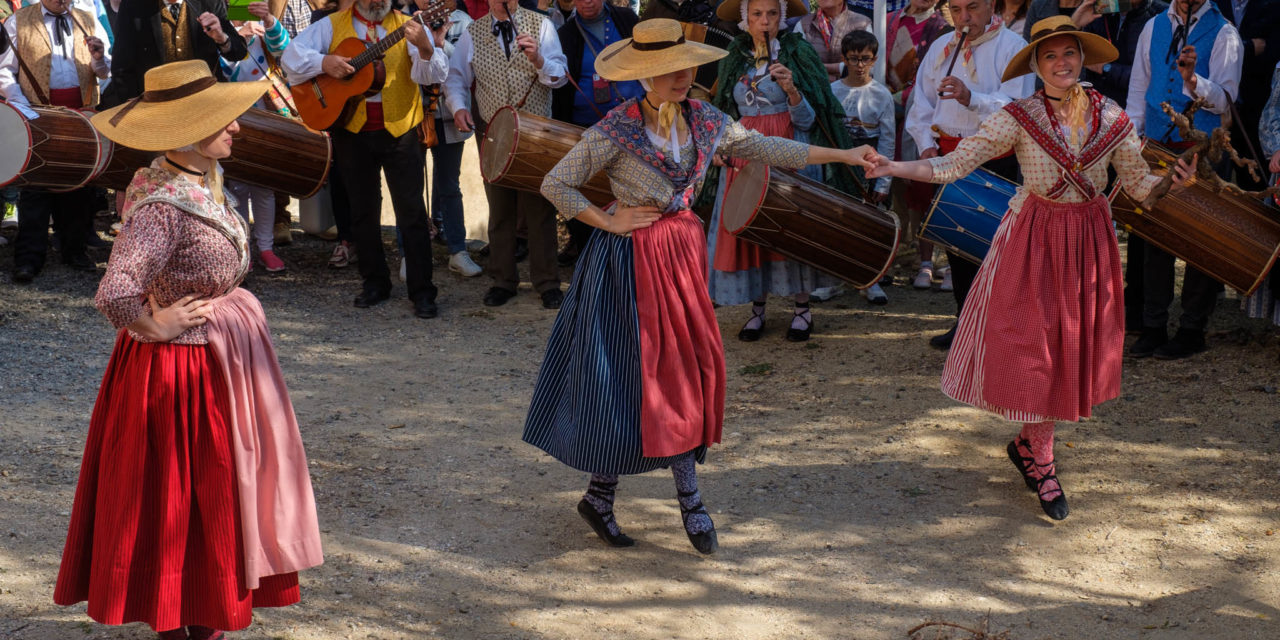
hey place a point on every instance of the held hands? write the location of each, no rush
(864, 156)
(212, 27)
(529, 47)
(953, 88)
(169, 322)
(251, 28)
(336, 66)
(263, 12)
(628, 219)
(462, 120)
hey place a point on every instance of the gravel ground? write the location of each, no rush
(853, 499)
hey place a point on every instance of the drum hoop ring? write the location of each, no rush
(484, 141)
(30, 146)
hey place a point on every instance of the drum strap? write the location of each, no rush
(40, 95)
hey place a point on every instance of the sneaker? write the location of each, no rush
(403, 271)
(823, 294)
(924, 279)
(461, 263)
(343, 255)
(875, 295)
(947, 285)
(271, 262)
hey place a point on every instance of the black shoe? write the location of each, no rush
(568, 257)
(1056, 508)
(1023, 463)
(751, 335)
(1185, 343)
(800, 335)
(1151, 339)
(81, 263)
(425, 309)
(551, 299)
(600, 524)
(24, 273)
(522, 250)
(371, 297)
(95, 241)
(943, 341)
(705, 542)
(497, 296)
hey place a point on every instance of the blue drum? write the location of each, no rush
(966, 213)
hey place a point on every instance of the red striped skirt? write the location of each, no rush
(1041, 336)
(155, 529)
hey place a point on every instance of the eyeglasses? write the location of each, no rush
(852, 60)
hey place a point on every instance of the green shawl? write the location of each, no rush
(810, 77)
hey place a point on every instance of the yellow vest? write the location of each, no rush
(36, 51)
(500, 81)
(401, 96)
(176, 34)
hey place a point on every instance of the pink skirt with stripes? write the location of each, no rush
(1041, 336)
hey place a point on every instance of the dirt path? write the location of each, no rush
(853, 499)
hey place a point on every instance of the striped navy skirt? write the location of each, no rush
(586, 404)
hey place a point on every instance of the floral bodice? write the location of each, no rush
(640, 174)
(1052, 167)
(176, 241)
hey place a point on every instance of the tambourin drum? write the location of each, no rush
(58, 150)
(811, 223)
(519, 149)
(269, 151)
(1232, 239)
(706, 74)
(967, 212)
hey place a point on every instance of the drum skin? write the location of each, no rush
(62, 149)
(811, 223)
(1232, 239)
(519, 149)
(967, 212)
(269, 151)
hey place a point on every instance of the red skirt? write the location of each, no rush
(1041, 336)
(155, 529)
(733, 254)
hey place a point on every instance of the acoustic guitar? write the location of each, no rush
(325, 101)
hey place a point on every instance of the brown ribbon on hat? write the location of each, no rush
(165, 95)
(657, 46)
(1044, 33)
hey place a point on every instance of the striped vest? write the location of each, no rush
(401, 97)
(36, 51)
(501, 82)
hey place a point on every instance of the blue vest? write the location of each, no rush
(583, 113)
(1166, 82)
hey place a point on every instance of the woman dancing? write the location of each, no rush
(194, 504)
(1042, 335)
(634, 377)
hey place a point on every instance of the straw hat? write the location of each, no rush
(1096, 49)
(731, 10)
(656, 47)
(183, 104)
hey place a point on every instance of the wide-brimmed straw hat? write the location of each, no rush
(183, 104)
(731, 10)
(1095, 48)
(656, 47)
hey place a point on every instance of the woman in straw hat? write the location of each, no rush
(634, 378)
(773, 83)
(1042, 335)
(194, 504)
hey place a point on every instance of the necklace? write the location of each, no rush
(184, 169)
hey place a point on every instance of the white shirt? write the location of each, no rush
(1225, 63)
(989, 95)
(62, 74)
(304, 58)
(457, 88)
(871, 105)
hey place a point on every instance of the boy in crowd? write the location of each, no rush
(868, 109)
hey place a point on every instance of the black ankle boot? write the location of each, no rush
(1185, 343)
(600, 524)
(1149, 341)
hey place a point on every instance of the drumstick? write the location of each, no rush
(964, 33)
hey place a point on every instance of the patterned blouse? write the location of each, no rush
(641, 175)
(1052, 167)
(176, 241)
